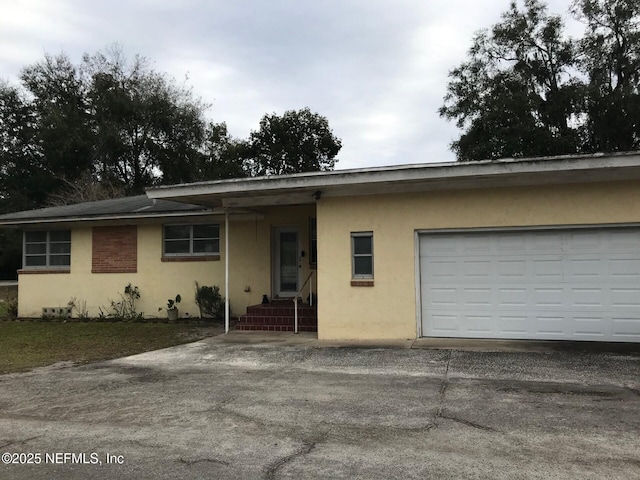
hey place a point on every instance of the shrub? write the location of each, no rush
(125, 309)
(209, 301)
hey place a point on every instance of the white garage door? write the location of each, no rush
(579, 284)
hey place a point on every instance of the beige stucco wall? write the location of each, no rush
(388, 309)
(249, 265)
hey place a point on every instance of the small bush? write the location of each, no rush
(125, 309)
(210, 302)
(12, 307)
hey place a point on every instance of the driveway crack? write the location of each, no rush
(443, 393)
(272, 468)
(201, 460)
(443, 390)
(19, 442)
(468, 423)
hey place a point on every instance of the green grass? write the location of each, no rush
(25, 345)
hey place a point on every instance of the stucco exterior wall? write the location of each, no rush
(388, 309)
(249, 266)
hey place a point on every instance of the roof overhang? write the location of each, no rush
(95, 221)
(306, 188)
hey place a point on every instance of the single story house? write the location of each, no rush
(534, 248)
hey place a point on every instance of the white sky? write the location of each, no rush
(377, 69)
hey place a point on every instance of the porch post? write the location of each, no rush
(226, 271)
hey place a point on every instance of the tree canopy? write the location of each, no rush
(298, 141)
(110, 126)
(526, 89)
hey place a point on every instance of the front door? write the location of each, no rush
(287, 261)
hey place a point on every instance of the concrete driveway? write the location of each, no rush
(221, 410)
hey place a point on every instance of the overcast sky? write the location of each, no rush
(377, 69)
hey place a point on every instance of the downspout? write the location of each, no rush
(226, 271)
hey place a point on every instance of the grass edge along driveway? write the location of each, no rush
(26, 345)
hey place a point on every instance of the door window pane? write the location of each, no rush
(288, 261)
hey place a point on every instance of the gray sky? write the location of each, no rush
(377, 69)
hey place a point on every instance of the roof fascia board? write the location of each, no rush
(38, 221)
(400, 174)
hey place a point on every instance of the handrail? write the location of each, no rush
(299, 295)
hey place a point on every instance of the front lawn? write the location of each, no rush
(25, 345)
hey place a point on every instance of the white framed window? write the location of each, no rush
(362, 254)
(47, 249)
(191, 240)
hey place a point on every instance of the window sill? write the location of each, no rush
(362, 283)
(39, 271)
(192, 258)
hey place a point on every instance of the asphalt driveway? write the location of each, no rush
(235, 410)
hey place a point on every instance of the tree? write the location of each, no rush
(224, 157)
(63, 131)
(298, 141)
(145, 123)
(84, 189)
(517, 94)
(23, 173)
(611, 62)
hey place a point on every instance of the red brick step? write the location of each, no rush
(279, 317)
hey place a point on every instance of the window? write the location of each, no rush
(183, 240)
(362, 254)
(47, 249)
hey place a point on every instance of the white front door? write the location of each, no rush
(286, 261)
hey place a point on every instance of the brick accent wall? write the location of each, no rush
(115, 249)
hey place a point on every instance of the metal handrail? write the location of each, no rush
(299, 295)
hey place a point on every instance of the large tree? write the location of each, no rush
(24, 180)
(610, 60)
(145, 123)
(223, 156)
(64, 134)
(112, 126)
(297, 141)
(517, 94)
(528, 90)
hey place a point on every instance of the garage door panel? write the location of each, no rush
(585, 269)
(510, 297)
(625, 298)
(625, 327)
(587, 297)
(514, 325)
(560, 284)
(545, 295)
(512, 268)
(442, 270)
(445, 323)
(547, 268)
(624, 269)
(593, 326)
